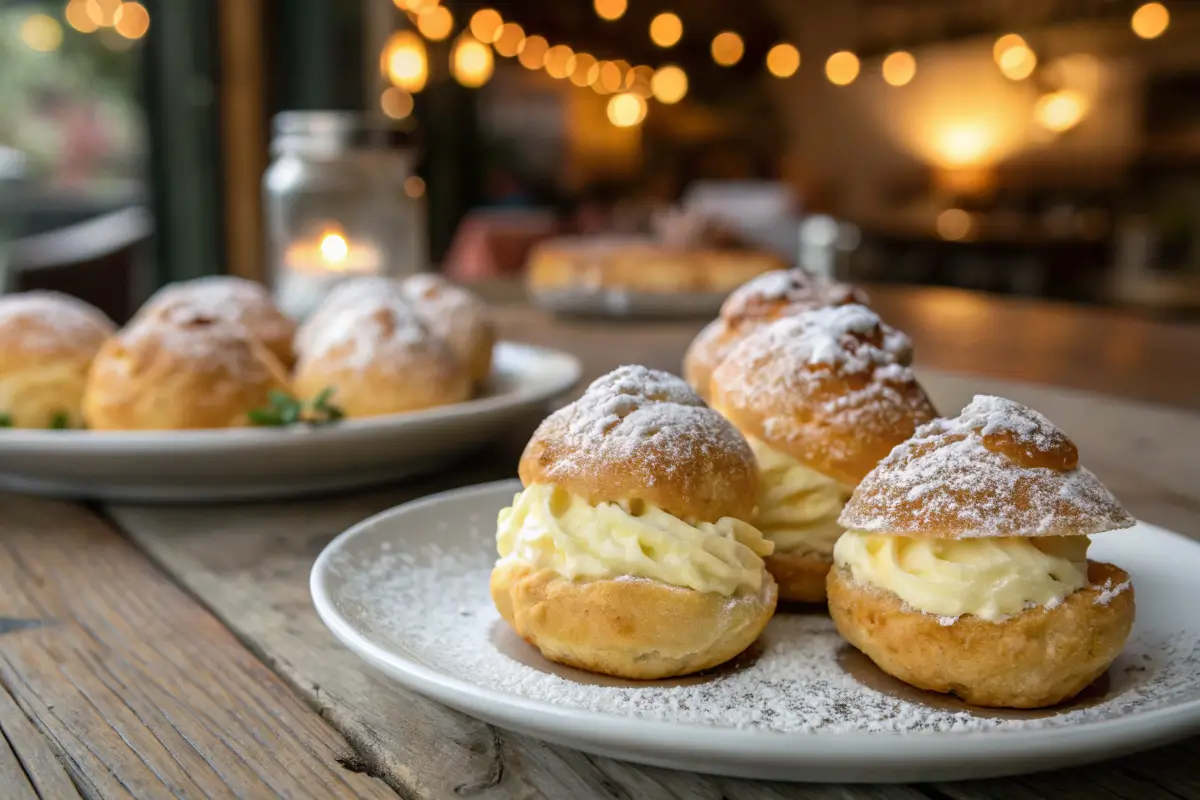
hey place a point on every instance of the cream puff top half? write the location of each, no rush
(639, 479)
(986, 514)
(784, 292)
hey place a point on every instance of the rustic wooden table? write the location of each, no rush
(173, 651)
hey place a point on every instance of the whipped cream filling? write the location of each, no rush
(990, 578)
(550, 528)
(798, 507)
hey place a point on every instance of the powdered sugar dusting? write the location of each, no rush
(237, 301)
(376, 331)
(50, 321)
(431, 604)
(945, 481)
(1109, 591)
(198, 345)
(784, 292)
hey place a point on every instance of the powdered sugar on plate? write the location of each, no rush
(430, 605)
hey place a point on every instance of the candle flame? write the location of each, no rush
(334, 249)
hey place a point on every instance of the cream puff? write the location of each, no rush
(346, 294)
(186, 370)
(821, 397)
(627, 553)
(774, 294)
(458, 316)
(964, 568)
(245, 305)
(47, 343)
(379, 358)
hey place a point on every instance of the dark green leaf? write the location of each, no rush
(60, 422)
(6, 421)
(265, 417)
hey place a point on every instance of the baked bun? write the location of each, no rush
(245, 305)
(642, 434)
(1042, 657)
(379, 358)
(771, 295)
(47, 343)
(998, 469)
(182, 371)
(964, 565)
(827, 387)
(627, 553)
(457, 316)
(345, 294)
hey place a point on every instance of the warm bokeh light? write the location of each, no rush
(1017, 62)
(669, 84)
(964, 144)
(899, 68)
(414, 186)
(415, 6)
(102, 12)
(1059, 111)
(471, 61)
(533, 54)
(1150, 20)
(405, 62)
(611, 77)
(77, 16)
(666, 30)
(41, 32)
(486, 24)
(132, 20)
(586, 70)
(842, 68)
(1006, 43)
(511, 40)
(953, 224)
(610, 9)
(334, 247)
(560, 61)
(783, 60)
(626, 110)
(435, 23)
(396, 103)
(727, 48)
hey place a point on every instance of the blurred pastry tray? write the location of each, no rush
(622, 303)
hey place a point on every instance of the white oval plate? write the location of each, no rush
(407, 591)
(246, 463)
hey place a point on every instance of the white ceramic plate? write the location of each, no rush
(408, 591)
(273, 463)
(624, 303)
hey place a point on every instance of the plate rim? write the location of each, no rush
(1123, 734)
(96, 442)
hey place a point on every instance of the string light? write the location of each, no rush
(1059, 111)
(666, 30)
(132, 20)
(611, 77)
(783, 60)
(405, 62)
(626, 110)
(41, 33)
(1006, 43)
(899, 68)
(842, 68)
(1150, 21)
(511, 40)
(396, 103)
(610, 9)
(435, 23)
(471, 61)
(533, 54)
(953, 224)
(102, 12)
(1018, 62)
(486, 24)
(414, 186)
(669, 84)
(727, 48)
(77, 16)
(586, 70)
(560, 61)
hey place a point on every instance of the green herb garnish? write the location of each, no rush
(6, 421)
(284, 409)
(60, 422)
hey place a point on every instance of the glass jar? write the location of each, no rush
(341, 200)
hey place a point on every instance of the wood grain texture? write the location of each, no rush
(250, 565)
(138, 690)
(30, 764)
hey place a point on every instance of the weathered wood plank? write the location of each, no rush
(140, 690)
(38, 770)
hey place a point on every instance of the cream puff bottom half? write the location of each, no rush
(627, 589)
(1040, 656)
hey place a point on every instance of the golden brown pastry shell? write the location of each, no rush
(1038, 658)
(637, 629)
(800, 576)
(705, 354)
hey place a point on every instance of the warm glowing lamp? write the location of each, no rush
(471, 61)
(405, 62)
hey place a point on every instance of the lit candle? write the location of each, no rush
(312, 266)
